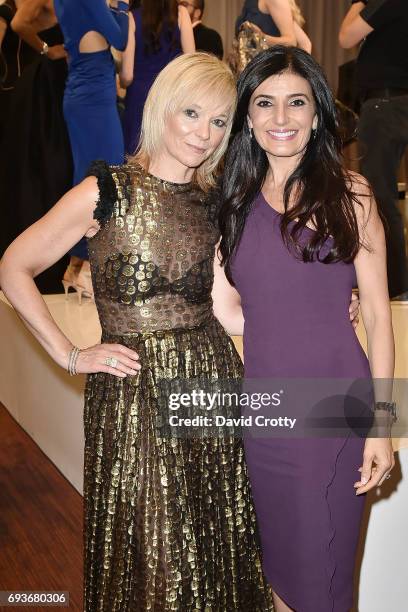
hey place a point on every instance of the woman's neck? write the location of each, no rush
(170, 169)
(280, 169)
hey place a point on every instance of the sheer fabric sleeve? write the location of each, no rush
(213, 203)
(107, 191)
(112, 23)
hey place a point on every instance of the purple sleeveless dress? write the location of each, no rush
(297, 325)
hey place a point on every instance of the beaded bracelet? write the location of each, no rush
(390, 407)
(72, 360)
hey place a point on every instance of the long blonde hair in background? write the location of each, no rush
(296, 12)
(186, 80)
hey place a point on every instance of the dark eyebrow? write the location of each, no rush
(294, 95)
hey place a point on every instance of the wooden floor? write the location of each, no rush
(40, 521)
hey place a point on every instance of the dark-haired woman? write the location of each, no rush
(297, 231)
(156, 36)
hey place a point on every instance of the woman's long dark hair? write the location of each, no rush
(157, 15)
(324, 196)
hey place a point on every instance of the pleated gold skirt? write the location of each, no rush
(169, 522)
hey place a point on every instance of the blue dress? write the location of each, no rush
(90, 108)
(250, 12)
(147, 66)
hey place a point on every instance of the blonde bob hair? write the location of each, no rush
(187, 80)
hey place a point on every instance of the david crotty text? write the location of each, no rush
(221, 421)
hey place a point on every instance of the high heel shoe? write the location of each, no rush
(70, 278)
(79, 278)
(84, 283)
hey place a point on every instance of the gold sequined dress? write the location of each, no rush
(169, 522)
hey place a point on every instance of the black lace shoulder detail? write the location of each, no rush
(107, 191)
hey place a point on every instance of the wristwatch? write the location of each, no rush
(45, 49)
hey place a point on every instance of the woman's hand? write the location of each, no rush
(114, 359)
(57, 52)
(254, 27)
(354, 310)
(378, 461)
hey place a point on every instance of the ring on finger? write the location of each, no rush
(111, 361)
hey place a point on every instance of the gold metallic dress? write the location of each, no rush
(169, 522)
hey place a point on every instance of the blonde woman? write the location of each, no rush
(169, 522)
(279, 21)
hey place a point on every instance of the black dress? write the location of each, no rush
(35, 159)
(14, 56)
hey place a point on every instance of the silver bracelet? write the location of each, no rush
(72, 360)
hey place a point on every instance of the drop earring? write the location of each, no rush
(250, 133)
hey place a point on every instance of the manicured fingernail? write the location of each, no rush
(364, 480)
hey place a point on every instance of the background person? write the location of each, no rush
(279, 21)
(382, 80)
(156, 36)
(35, 157)
(90, 108)
(14, 56)
(206, 39)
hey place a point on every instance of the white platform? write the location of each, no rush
(48, 405)
(42, 397)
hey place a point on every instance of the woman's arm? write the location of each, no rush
(37, 249)
(112, 22)
(128, 56)
(24, 24)
(226, 301)
(371, 272)
(281, 13)
(186, 30)
(354, 28)
(302, 39)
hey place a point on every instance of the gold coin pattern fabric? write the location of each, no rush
(169, 522)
